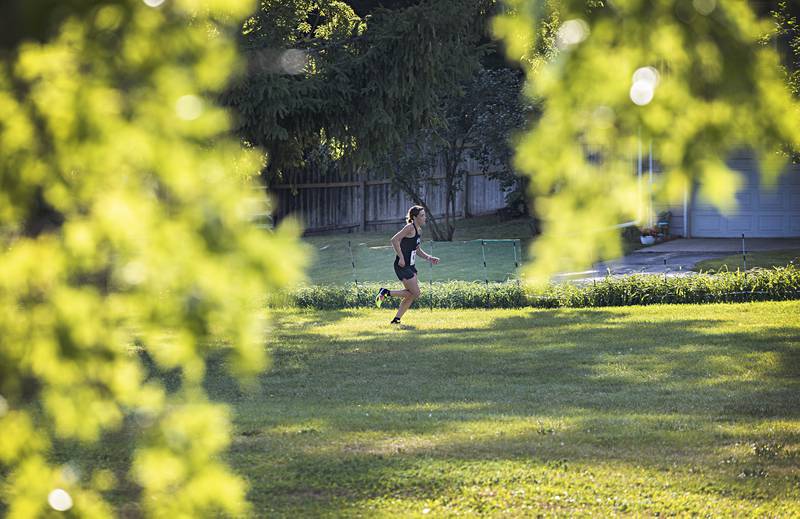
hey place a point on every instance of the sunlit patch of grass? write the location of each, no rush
(653, 410)
(760, 259)
(657, 410)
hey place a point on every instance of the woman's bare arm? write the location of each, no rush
(424, 255)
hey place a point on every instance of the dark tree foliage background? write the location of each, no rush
(354, 86)
(476, 122)
(340, 86)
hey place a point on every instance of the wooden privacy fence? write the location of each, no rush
(367, 204)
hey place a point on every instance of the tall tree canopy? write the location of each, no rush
(321, 75)
(693, 77)
(125, 237)
(478, 122)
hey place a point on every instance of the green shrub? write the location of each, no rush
(642, 289)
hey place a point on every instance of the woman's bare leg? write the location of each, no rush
(412, 287)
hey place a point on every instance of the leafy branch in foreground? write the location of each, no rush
(125, 228)
(692, 77)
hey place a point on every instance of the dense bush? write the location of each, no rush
(643, 289)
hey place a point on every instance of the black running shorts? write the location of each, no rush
(407, 272)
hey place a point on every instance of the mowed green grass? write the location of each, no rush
(462, 258)
(646, 411)
(763, 259)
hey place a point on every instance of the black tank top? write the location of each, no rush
(408, 247)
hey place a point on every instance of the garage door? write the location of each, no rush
(763, 211)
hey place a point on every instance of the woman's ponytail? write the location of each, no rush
(413, 212)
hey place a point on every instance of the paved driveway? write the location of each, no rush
(677, 257)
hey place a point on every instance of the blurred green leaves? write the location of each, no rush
(719, 89)
(126, 234)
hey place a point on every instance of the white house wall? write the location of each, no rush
(762, 211)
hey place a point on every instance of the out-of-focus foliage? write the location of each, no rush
(322, 78)
(718, 89)
(126, 234)
(788, 29)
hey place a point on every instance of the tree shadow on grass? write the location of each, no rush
(460, 364)
(583, 386)
(572, 360)
(300, 480)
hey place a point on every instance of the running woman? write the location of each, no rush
(406, 245)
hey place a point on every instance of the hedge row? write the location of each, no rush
(642, 289)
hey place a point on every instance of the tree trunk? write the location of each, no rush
(452, 160)
(439, 234)
(443, 226)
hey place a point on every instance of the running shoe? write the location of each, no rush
(382, 293)
(395, 321)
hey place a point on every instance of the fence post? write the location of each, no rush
(744, 256)
(353, 263)
(485, 271)
(430, 280)
(364, 205)
(466, 194)
(516, 262)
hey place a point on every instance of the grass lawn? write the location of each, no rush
(659, 410)
(766, 259)
(462, 259)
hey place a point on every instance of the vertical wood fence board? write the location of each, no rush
(328, 205)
